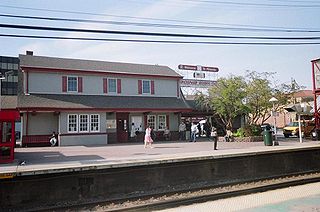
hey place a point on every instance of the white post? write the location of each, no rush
(273, 100)
(300, 133)
(275, 124)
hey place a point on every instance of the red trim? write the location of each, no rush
(64, 83)
(80, 87)
(168, 120)
(104, 109)
(9, 115)
(27, 123)
(152, 87)
(140, 86)
(73, 134)
(105, 85)
(118, 85)
(27, 82)
(145, 121)
(56, 70)
(178, 88)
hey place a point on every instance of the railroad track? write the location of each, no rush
(164, 201)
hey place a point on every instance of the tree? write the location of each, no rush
(259, 92)
(225, 99)
(235, 95)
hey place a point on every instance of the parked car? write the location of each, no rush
(292, 129)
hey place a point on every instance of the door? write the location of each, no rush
(122, 127)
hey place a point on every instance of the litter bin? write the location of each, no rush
(267, 137)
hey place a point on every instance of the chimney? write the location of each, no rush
(29, 53)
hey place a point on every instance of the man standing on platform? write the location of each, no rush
(182, 131)
(188, 130)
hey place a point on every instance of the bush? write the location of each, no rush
(248, 130)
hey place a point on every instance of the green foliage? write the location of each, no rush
(238, 96)
(248, 130)
(226, 98)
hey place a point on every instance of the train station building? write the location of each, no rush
(89, 102)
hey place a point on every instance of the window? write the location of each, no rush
(112, 85)
(94, 122)
(10, 66)
(4, 65)
(162, 122)
(83, 123)
(146, 87)
(72, 123)
(73, 84)
(151, 121)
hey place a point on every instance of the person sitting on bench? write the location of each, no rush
(166, 134)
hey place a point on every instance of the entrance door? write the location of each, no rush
(122, 127)
(7, 141)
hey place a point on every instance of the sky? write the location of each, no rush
(288, 62)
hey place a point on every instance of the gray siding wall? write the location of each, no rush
(51, 83)
(64, 121)
(41, 123)
(86, 140)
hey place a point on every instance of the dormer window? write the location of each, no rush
(146, 87)
(72, 84)
(112, 85)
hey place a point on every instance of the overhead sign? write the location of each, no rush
(188, 67)
(210, 69)
(197, 83)
(198, 68)
(199, 75)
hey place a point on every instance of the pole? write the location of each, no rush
(275, 143)
(300, 133)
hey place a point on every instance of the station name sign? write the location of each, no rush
(196, 83)
(198, 68)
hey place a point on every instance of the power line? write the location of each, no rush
(135, 17)
(160, 41)
(150, 33)
(144, 24)
(255, 4)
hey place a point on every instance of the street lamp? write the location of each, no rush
(1, 78)
(274, 100)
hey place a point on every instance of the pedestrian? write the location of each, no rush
(228, 136)
(194, 130)
(214, 137)
(188, 130)
(133, 131)
(166, 134)
(147, 138)
(182, 131)
(199, 131)
(53, 139)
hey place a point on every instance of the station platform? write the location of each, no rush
(46, 160)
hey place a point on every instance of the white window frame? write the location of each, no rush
(109, 91)
(87, 124)
(155, 121)
(164, 123)
(76, 84)
(76, 124)
(91, 115)
(149, 87)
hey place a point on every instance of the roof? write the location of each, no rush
(100, 102)
(303, 93)
(8, 102)
(96, 66)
